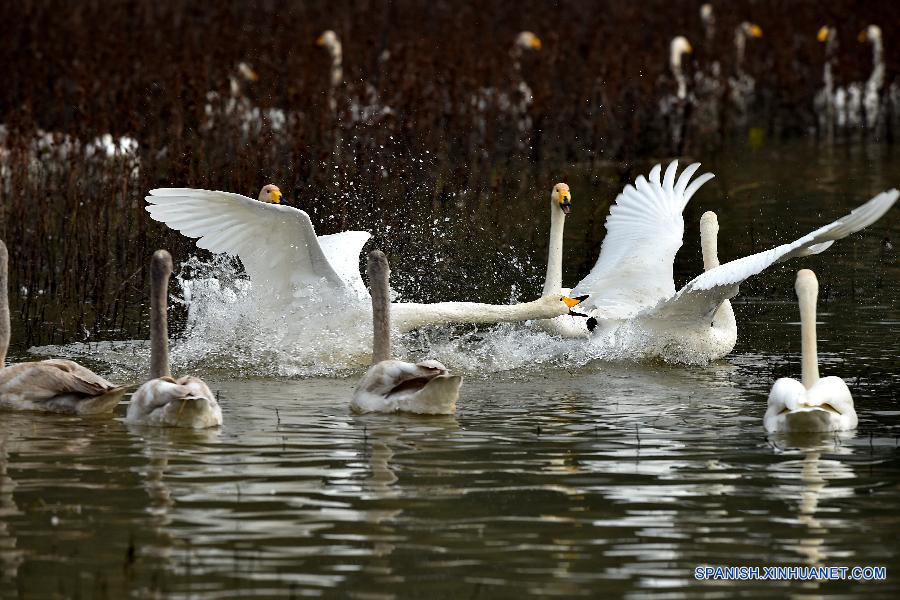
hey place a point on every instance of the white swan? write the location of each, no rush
(58, 386)
(674, 107)
(238, 108)
(490, 100)
(708, 86)
(742, 85)
(560, 207)
(871, 99)
(825, 100)
(293, 269)
(816, 404)
(164, 401)
(364, 108)
(632, 283)
(394, 385)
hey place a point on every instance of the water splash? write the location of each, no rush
(230, 330)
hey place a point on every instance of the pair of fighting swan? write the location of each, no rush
(630, 289)
(289, 266)
(631, 285)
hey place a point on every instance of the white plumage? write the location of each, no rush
(632, 281)
(293, 269)
(816, 405)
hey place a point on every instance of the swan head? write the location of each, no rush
(806, 283)
(679, 47)
(329, 40)
(561, 197)
(247, 72)
(270, 194)
(826, 32)
(161, 264)
(870, 34)
(526, 40)
(706, 14)
(751, 29)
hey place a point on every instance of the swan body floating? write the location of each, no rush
(57, 386)
(815, 405)
(295, 270)
(394, 385)
(164, 401)
(632, 282)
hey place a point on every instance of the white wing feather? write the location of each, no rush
(644, 231)
(699, 298)
(276, 244)
(342, 251)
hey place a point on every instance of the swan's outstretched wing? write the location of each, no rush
(277, 244)
(644, 230)
(342, 251)
(699, 298)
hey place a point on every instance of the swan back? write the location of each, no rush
(59, 386)
(186, 402)
(827, 406)
(396, 386)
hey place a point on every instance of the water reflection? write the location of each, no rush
(558, 476)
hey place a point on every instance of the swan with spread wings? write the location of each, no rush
(632, 281)
(291, 267)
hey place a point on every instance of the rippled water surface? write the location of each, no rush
(567, 477)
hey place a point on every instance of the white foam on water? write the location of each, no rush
(230, 330)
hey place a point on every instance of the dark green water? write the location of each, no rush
(607, 478)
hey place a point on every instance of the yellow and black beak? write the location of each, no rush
(276, 196)
(823, 34)
(756, 31)
(565, 202)
(573, 302)
(863, 36)
(320, 41)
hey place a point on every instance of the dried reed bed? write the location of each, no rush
(77, 231)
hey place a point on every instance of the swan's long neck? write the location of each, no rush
(678, 72)
(807, 288)
(4, 303)
(740, 47)
(409, 316)
(379, 274)
(235, 86)
(709, 240)
(160, 270)
(337, 64)
(828, 69)
(553, 279)
(709, 24)
(876, 79)
(723, 321)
